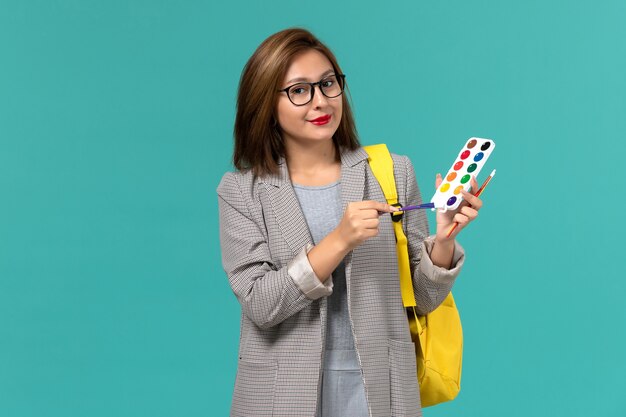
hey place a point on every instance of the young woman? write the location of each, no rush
(309, 248)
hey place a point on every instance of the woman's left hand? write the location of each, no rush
(463, 215)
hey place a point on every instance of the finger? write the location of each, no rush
(461, 219)
(469, 212)
(474, 184)
(376, 205)
(472, 199)
(371, 214)
(474, 187)
(464, 203)
(368, 233)
(438, 180)
(371, 223)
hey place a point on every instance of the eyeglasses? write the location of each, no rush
(302, 93)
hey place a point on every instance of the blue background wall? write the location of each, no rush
(116, 126)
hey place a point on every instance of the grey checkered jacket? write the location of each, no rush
(264, 242)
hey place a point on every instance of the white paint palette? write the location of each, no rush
(470, 161)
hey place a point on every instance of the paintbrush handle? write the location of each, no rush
(419, 206)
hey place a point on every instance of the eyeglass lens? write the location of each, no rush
(303, 93)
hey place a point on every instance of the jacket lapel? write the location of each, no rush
(352, 176)
(286, 206)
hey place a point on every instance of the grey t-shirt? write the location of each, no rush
(342, 392)
(321, 206)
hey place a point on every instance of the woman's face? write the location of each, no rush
(295, 121)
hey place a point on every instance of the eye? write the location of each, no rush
(299, 89)
(328, 82)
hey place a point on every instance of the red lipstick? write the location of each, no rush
(321, 120)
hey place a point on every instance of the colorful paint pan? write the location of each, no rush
(470, 161)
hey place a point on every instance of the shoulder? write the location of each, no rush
(398, 159)
(403, 170)
(400, 162)
(236, 185)
(402, 165)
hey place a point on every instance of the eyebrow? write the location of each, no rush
(305, 79)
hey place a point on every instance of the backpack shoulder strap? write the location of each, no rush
(381, 164)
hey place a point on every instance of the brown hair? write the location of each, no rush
(258, 143)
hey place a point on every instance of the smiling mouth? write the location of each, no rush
(321, 120)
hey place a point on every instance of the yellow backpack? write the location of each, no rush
(438, 336)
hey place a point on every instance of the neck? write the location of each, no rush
(311, 157)
(312, 163)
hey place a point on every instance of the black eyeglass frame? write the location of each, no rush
(341, 78)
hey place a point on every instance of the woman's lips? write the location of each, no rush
(321, 120)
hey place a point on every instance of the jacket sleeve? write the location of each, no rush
(431, 283)
(268, 295)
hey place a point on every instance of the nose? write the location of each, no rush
(319, 99)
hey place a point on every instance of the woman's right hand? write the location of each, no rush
(360, 222)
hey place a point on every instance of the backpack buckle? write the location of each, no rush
(396, 217)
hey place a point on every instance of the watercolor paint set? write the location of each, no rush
(470, 161)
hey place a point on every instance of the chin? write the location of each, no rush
(324, 129)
